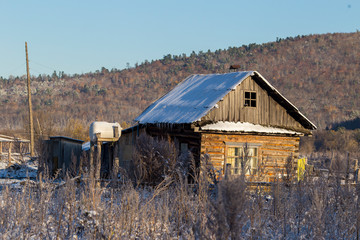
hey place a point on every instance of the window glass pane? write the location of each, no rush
(237, 163)
(237, 151)
(247, 102)
(247, 94)
(253, 95)
(253, 103)
(231, 151)
(230, 160)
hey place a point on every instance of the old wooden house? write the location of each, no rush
(223, 115)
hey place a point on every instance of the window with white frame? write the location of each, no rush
(242, 156)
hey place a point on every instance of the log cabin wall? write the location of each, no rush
(182, 135)
(272, 152)
(267, 112)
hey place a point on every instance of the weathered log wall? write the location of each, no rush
(178, 134)
(273, 152)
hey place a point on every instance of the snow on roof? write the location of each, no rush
(246, 127)
(192, 98)
(86, 146)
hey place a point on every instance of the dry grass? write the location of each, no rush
(172, 208)
(78, 209)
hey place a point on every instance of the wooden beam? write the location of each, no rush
(9, 154)
(115, 167)
(20, 147)
(98, 160)
(91, 160)
(31, 124)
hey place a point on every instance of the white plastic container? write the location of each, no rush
(109, 132)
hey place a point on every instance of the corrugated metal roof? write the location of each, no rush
(194, 97)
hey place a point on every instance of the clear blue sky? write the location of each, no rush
(83, 36)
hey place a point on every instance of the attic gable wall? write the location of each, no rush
(267, 112)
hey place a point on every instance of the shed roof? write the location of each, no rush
(61, 138)
(194, 97)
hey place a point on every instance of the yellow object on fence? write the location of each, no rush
(301, 168)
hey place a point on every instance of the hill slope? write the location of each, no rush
(318, 73)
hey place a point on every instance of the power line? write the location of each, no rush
(42, 65)
(22, 65)
(34, 70)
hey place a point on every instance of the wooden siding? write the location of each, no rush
(127, 143)
(267, 111)
(272, 151)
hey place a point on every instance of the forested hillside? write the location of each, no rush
(318, 73)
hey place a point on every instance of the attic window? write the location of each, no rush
(250, 99)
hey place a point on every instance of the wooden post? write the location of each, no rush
(9, 154)
(91, 160)
(31, 124)
(80, 165)
(0, 150)
(63, 168)
(39, 127)
(115, 168)
(21, 154)
(227, 170)
(347, 167)
(98, 161)
(356, 164)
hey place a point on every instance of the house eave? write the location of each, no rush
(250, 128)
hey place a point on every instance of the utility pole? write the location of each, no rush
(31, 124)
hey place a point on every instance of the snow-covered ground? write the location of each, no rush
(19, 170)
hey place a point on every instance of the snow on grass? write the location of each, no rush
(18, 168)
